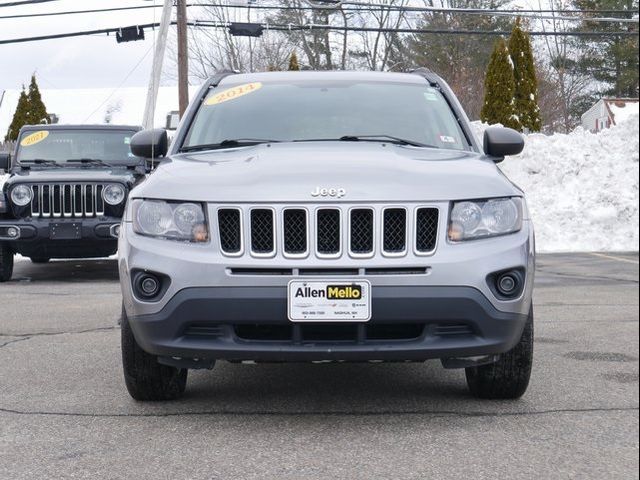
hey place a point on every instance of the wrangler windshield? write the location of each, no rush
(410, 114)
(47, 146)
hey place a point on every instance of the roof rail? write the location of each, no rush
(217, 77)
(429, 75)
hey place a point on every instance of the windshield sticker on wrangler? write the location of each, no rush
(233, 93)
(34, 138)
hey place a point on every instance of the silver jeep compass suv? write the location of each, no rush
(326, 216)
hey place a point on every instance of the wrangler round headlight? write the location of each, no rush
(21, 195)
(113, 194)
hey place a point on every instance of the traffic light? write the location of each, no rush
(129, 34)
(246, 29)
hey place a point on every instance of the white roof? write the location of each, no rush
(623, 109)
(124, 106)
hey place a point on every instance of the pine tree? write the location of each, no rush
(499, 87)
(37, 111)
(524, 73)
(293, 62)
(19, 117)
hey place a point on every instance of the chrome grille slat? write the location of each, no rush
(67, 200)
(326, 231)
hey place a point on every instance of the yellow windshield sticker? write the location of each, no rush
(34, 138)
(233, 93)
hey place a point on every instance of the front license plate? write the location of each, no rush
(65, 231)
(329, 301)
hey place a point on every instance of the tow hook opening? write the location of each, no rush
(114, 231)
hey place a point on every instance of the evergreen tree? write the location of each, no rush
(613, 59)
(460, 59)
(37, 111)
(499, 88)
(293, 62)
(19, 117)
(526, 83)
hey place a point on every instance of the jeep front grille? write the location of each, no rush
(394, 231)
(67, 200)
(361, 231)
(326, 231)
(295, 231)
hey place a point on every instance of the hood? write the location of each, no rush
(71, 175)
(290, 172)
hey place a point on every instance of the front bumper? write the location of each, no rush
(427, 322)
(96, 237)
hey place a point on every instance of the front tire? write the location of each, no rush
(508, 378)
(6, 262)
(145, 378)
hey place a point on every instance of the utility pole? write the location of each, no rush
(156, 71)
(183, 57)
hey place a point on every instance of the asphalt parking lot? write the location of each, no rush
(64, 410)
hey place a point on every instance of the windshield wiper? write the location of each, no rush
(89, 161)
(239, 142)
(384, 138)
(369, 138)
(39, 161)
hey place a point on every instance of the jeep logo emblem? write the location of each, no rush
(329, 192)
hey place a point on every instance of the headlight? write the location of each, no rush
(113, 194)
(487, 218)
(21, 195)
(172, 221)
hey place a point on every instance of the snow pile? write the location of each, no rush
(582, 188)
(624, 111)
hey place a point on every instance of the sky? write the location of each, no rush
(81, 62)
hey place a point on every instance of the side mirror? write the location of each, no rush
(5, 161)
(150, 143)
(501, 142)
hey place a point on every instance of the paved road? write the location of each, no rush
(64, 411)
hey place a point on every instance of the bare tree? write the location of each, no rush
(569, 82)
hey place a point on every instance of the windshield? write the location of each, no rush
(353, 110)
(60, 146)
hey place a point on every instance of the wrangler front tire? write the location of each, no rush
(6, 262)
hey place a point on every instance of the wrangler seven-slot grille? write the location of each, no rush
(327, 232)
(67, 200)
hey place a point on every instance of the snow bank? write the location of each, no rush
(623, 112)
(582, 188)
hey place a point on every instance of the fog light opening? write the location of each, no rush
(148, 285)
(507, 284)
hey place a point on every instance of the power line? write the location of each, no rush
(534, 14)
(24, 2)
(311, 27)
(135, 67)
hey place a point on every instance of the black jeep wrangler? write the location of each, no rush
(65, 192)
